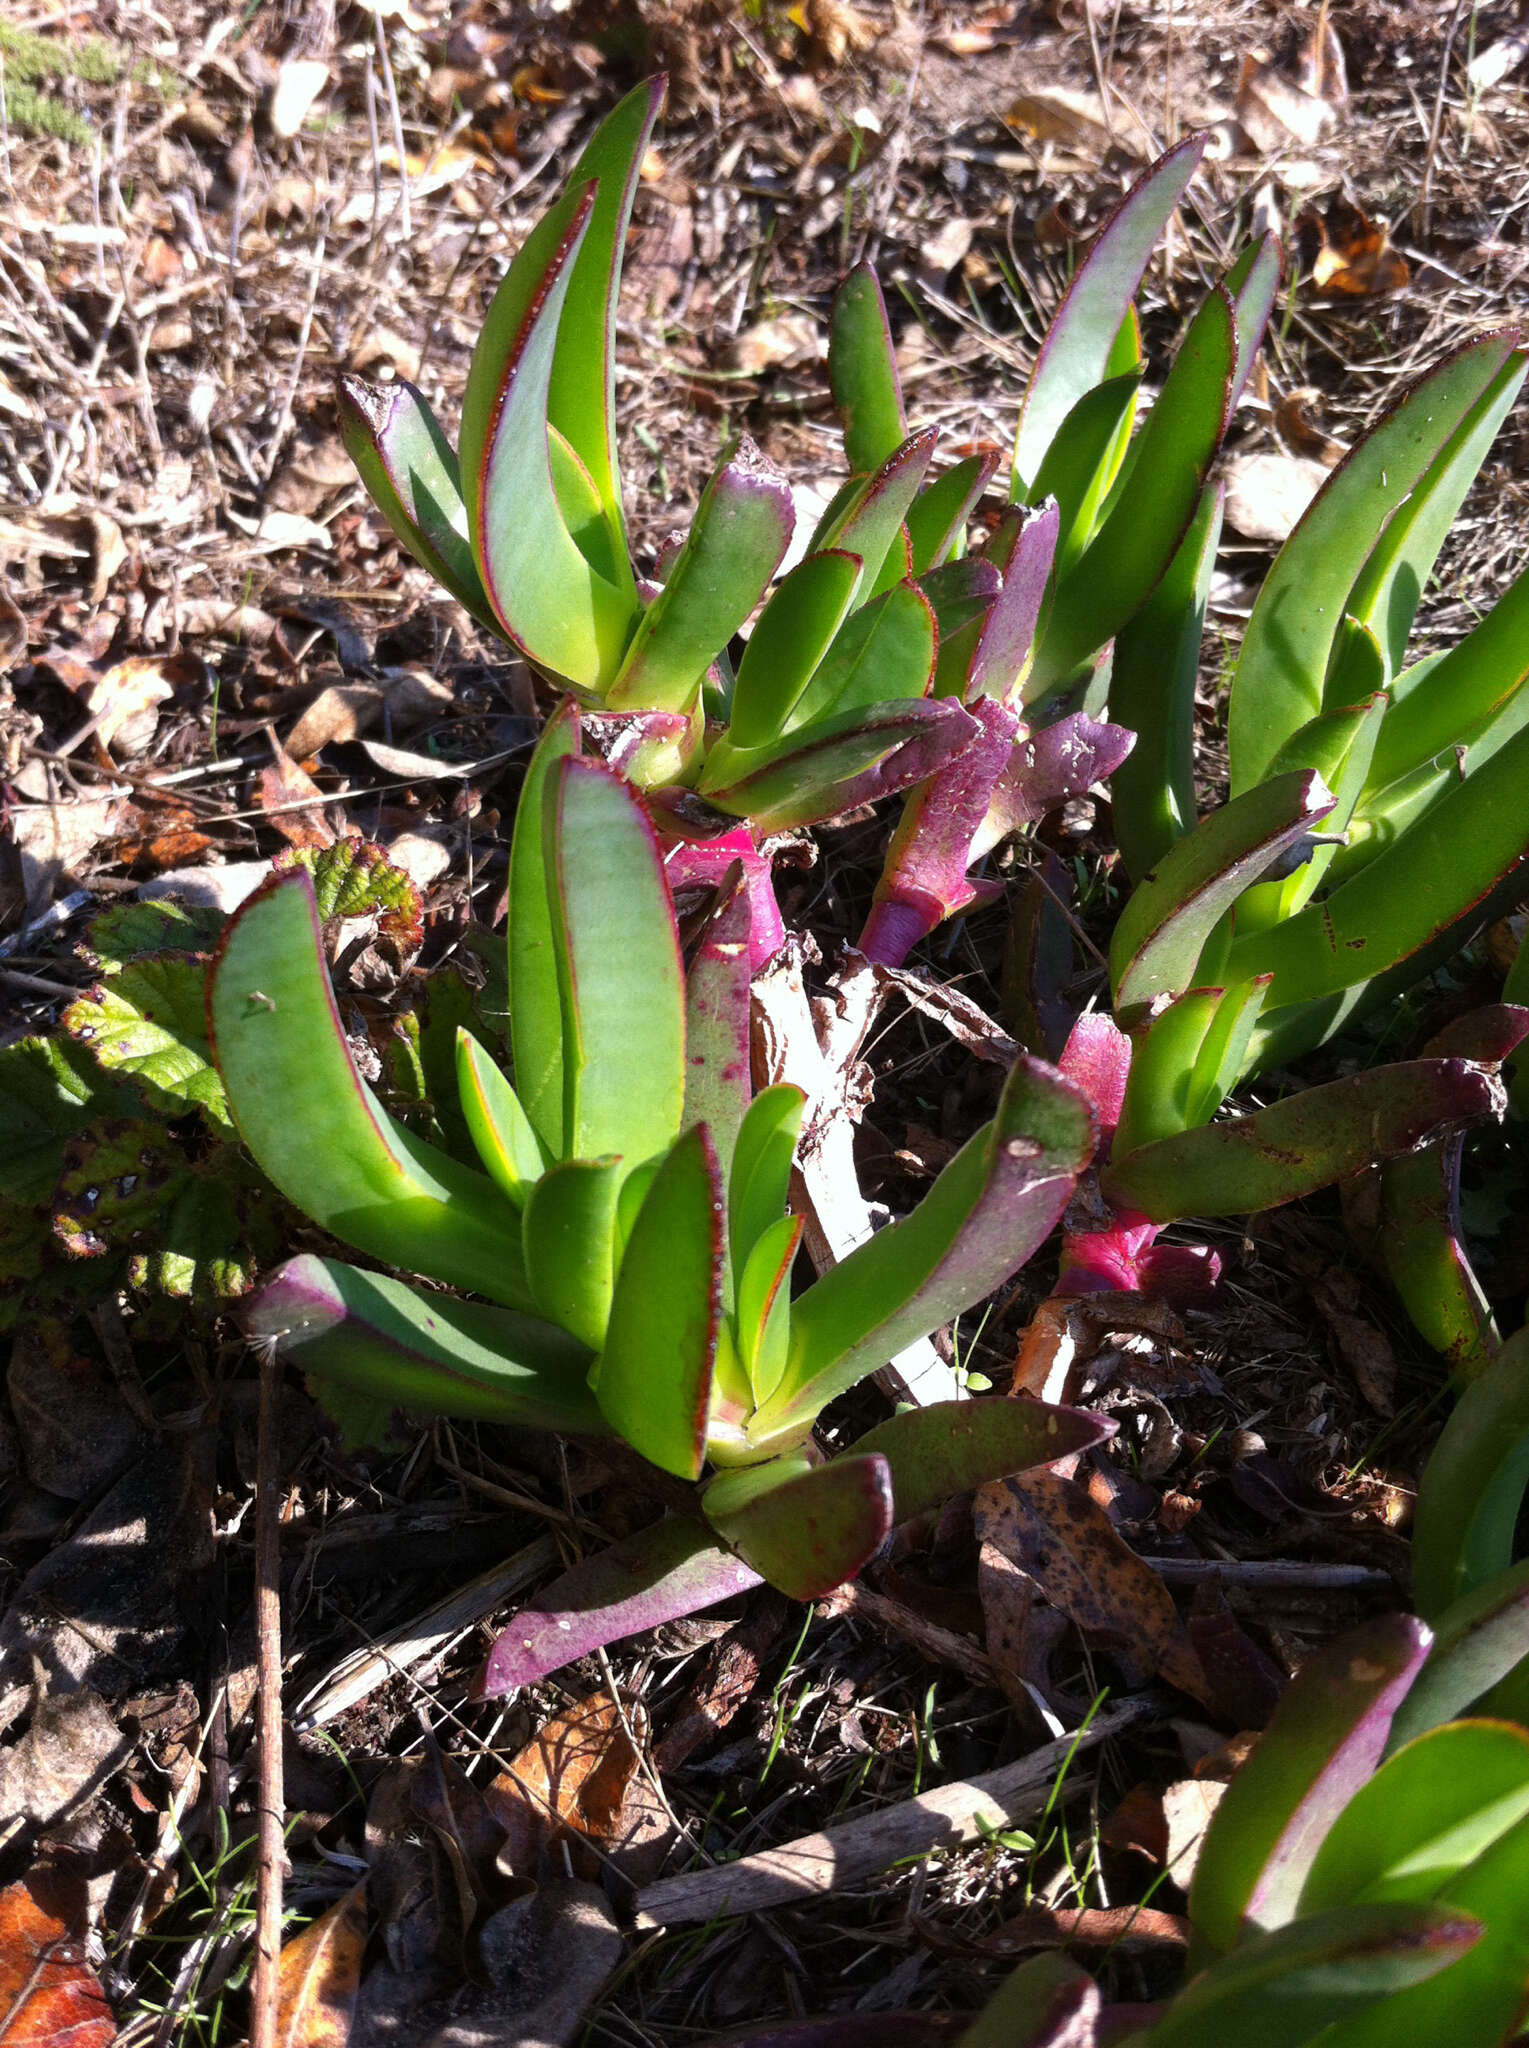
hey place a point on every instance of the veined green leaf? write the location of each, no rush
(375, 1336)
(410, 469)
(315, 1127)
(581, 385)
(570, 1245)
(536, 1006)
(1152, 691)
(1323, 1743)
(735, 544)
(993, 1205)
(1075, 355)
(499, 1127)
(1303, 1143)
(654, 1376)
(1385, 598)
(620, 976)
(1161, 934)
(862, 372)
(547, 597)
(804, 1529)
(147, 1023)
(794, 633)
(1280, 672)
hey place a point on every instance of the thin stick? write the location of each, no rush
(1425, 199)
(270, 1796)
(815, 1865)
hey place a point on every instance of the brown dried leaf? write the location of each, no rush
(1052, 1532)
(68, 1752)
(1354, 258)
(837, 29)
(1364, 1348)
(319, 1976)
(48, 1998)
(281, 787)
(573, 1773)
(1273, 110)
(75, 1429)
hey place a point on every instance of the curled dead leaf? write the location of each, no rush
(319, 1976)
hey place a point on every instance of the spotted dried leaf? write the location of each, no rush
(1056, 1535)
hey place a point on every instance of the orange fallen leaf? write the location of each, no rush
(573, 1773)
(48, 1997)
(1354, 258)
(319, 1976)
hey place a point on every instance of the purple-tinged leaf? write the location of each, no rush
(1252, 281)
(1327, 1736)
(1327, 1973)
(411, 471)
(654, 1376)
(804, 1531)
(675, 1568)
(581, 390)
(1473, 1487)
(1075, 355)
(938, 515)
(718, 1083)
(1478, 1640)
(1097, 1059)
(559, 610)
(1173, 910)
(871, 519)
(739, 534)
(1047, 2003)
(1046, 768)
(315, 1128)
(705, 863)
(1004, 652)
(430, 1354)
(862, 372)
(1124, 1257)
(951, 1446)
(1303, 1143)
(837, 763)
(923, 880)
(991, 1208)
(1425, 1256)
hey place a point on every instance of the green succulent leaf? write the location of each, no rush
(654, 1376)
(837, 762)
(736, 541)
(147, 1024)
(1047, 2003)
(1306, 1142)
(1083, 462)
(1281, 670)
(501, 1131)
(1473, 1488)
(1083, 332)
(557, 608)
(862, 372)
(1479, 1640)
(794, 633)
(570, 1245)
(1162, 932)
(315, 1128)
(871, 519)
(993, 1205)
(764, 1305)
(937, 517)
(1152, 691)
(582, 381)
(535, 998)
(1429, 1811)
(371, 1335)
(620, 976)
(718, 1078)
(1338, 745)
(1305, 1982)
(1324, 1741)
(410, 469)
(760, 1180)
(948, 1447)
(805, 1529)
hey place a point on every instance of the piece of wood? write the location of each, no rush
(815, 1865)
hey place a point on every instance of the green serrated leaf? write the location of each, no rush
(118, 1179)
(47, 1095)
(128, 930)
(354, 878)
(148, 1024)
